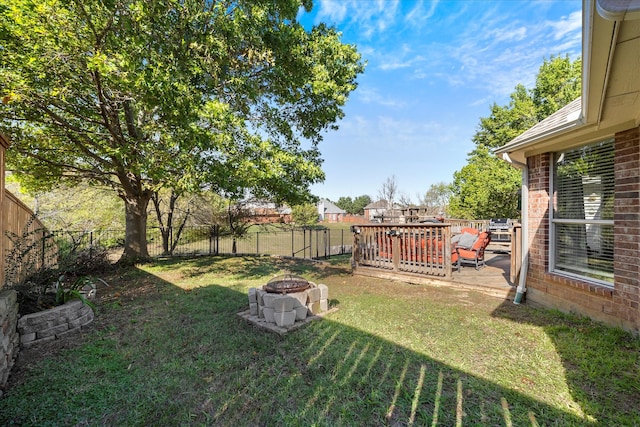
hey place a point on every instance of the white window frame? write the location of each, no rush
(554, 222)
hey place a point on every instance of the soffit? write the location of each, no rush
(622, 96)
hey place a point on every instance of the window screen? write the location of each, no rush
(582, 220)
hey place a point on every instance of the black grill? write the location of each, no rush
(500, 229)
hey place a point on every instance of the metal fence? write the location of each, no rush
(193, 241)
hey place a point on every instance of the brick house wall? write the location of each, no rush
(618, 306)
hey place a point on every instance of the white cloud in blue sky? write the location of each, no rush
(433, 70)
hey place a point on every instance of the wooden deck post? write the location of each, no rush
(395, 251)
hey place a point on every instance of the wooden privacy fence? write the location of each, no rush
(423, 249)
(23, 244)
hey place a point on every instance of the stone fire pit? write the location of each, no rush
(286, 302)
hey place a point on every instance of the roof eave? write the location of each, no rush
(565, 128)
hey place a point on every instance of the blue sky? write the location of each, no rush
(433, 70)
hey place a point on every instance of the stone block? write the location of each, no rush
(67, 332)
(5, 342)
(268, 299)
(314, 295)
(39, 341)
(7, 299)
(253, 308)
(314, 307)
(283, 303)
(81, 321)
(253, 296)
(52, 331)
(269, 314)
(300, 297)
(79, 311)
(260, 311)
(285, 318)
(301, 312)
(324, 291)
(324, 305)
(27, 338)
(28, 327)
(259, 296)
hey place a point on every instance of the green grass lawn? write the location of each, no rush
(167, 348)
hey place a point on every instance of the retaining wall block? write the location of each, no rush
(253, 297)
(314, 295)
(283, 303)
(27, 338)
(52, 331)
(301, 312)
(285, 318)
(268, 314)
(8, 299)
(260, 293)
(5, 342)
(300, 297)
(81, 321)
(268, 299)
(324, 305)
(39, 341)
(324, 291)
(68, 332)
(253, 308)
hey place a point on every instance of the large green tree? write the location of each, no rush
(141, 95)
(488, 187)
(354, 206)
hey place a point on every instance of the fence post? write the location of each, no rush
(217, 233)
(293, 249)
(327, 242)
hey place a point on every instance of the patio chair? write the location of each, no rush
(470, 247)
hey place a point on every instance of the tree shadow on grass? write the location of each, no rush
(602, 363)
(169, 356)
(253, 267)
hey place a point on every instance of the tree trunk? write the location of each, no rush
(135, 240)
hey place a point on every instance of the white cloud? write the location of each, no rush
(333, 11)
(370, 95)
(371, 17)
(418, 15)
(567, 26)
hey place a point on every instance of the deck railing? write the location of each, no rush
(423, 249)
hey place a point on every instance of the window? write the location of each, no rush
(582, 214)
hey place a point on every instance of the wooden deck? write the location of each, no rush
(494, 279)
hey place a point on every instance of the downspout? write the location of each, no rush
(522, 282)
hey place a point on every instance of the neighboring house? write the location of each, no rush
(329, 212)
(267, 212)
(376, 211)
(581, 180)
